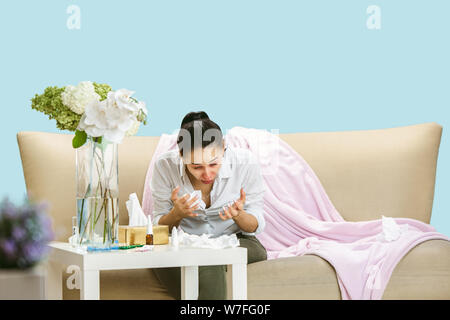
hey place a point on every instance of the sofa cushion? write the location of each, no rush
(423, 273)
(293, 278)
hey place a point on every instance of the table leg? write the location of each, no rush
(238, 281)
(189, 283)
(90, 285)
(53, 281)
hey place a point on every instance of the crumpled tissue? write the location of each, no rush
(136, 216)
(391, 230)
(205, 240)
(199, 201)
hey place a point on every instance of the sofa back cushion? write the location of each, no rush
(370, 173)
(365, 173)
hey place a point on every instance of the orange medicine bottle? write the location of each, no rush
(149, 236)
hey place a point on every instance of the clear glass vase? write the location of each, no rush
(97, 193)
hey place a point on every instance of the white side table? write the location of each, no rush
(162, 256)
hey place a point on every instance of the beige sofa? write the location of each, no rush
(366, 174)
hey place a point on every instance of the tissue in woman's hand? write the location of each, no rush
(199, 200)
(197, 193)
(136, 216)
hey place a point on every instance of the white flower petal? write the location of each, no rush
(113, 118)
(142, 107)
(126, 124)
(134, 129)
(115, 136)
(76, 98)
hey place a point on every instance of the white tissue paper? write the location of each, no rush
(199, 200)
(136, 216)
(391, 230)
(205, 240)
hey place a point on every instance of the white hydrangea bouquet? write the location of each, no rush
(92, 109)
(100, 118)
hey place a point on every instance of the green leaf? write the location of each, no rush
(134, 99)
(97, 140)
(102, 143)
(79, 139)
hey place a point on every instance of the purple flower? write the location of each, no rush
(33, 251)
(8, 247)
(9, 211)
(25, 232)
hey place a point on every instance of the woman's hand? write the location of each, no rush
(233, 211)
(182, 207)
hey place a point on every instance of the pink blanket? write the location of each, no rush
(300, 218)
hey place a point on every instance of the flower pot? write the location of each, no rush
(97, 193)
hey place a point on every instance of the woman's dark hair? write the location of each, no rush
(192, 125)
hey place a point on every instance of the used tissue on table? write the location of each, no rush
(205, 240)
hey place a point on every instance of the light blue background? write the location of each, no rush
(288, 65)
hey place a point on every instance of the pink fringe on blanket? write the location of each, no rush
(301, 219)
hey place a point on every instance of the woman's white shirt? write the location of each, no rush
(239, 169)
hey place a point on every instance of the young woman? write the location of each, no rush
(232, 191)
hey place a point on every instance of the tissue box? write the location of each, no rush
(161, 234)
(132, 235)
(136, 235)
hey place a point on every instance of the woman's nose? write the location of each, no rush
(208, 174)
